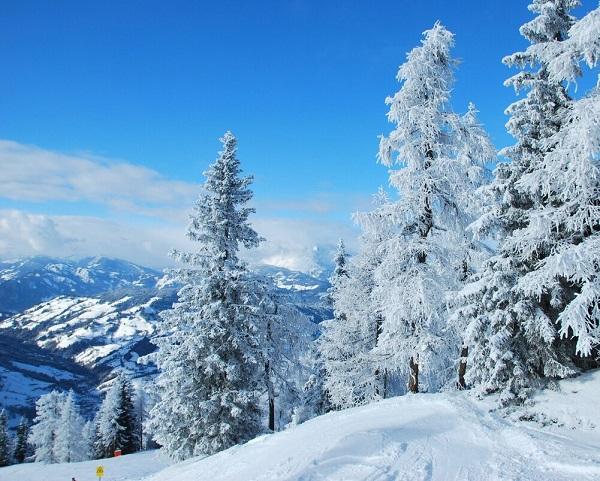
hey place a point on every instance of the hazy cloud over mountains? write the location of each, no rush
(143, 213)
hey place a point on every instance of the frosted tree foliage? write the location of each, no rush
(340, 262)
(45, 427)
(68, 445)
(525, 294)
(569, 181)
(440, 156)
(285, 341)
(347, 341)
(88, 440)
(209, 354)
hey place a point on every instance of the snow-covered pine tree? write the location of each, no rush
(4, 440)
(286, 336)
(88, 440)
(513, 332)
(313, 401)
(340, 270)
(116, 420)
(128, 417)
(209, 352)
(22, 433)
(346, 344)
(42, 436)
(441, 156)
(315, 398)
(568, 179)
(141, 413)
(68, 446)
(332, 349)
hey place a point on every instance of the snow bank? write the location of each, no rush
(573, 406)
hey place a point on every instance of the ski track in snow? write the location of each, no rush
(423, 437)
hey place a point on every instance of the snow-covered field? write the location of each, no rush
(414, 437)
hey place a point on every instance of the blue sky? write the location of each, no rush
(302, 84)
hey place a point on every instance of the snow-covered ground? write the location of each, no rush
(414, 437)
(124, 468)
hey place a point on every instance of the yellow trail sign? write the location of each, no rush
(100, 471)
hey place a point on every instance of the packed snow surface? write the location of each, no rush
(414, 437)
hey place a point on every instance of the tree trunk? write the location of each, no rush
(271, 413)
(462, 368)
(413, 380)
(380, 381)
(385, 384)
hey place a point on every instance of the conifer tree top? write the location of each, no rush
(219, 221)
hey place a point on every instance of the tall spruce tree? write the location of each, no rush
(514, 331)
(88, 443)
(116, 420)
(68, 434)
(42, 435)
(347, 342)
(440, 156)
(568, 180)
(21, 441)
(209, 352)
(4, 440)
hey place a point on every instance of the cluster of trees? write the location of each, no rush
(13, 450)
(461, 281)
(60, 434)
(426, 303)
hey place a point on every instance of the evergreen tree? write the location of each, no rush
(68, 446)
(568, 179)
(89, 440)
(116, 420)
(141, 412)
(313, 400)
(286, 336)
(514, 332)
(209, 352)
(340, 270)
(346, 344)
(21, 441)
(441, 156)
(316, 399)
(42, 436)
(4, 440)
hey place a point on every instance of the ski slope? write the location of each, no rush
(415, 437)
(124, 468)
(420, 437)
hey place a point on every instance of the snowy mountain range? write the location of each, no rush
(28, 371)
(78, 321)
(29, 281)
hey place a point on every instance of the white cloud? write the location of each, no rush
(24, 234)
(148, 213)
(33, 174)
(300, 245)
(303, 245)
